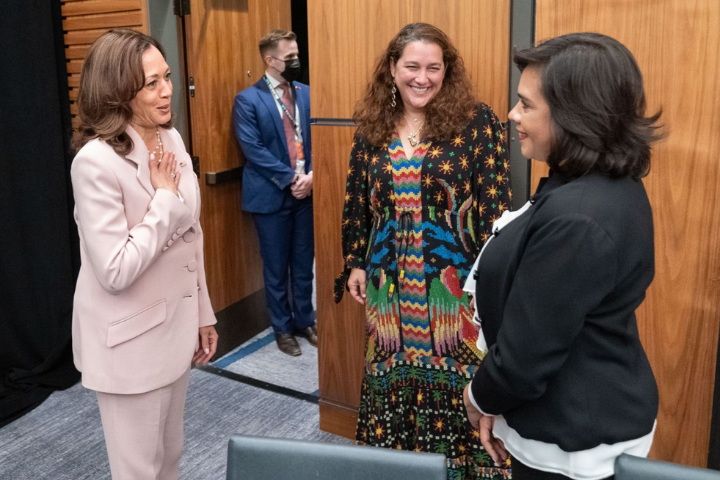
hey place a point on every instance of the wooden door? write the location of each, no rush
(346, 39)
(221, 38)
(677, 45)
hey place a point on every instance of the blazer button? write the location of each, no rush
(192, 266)
(189, 236)
(179, 231)
(170, 242)
(165, 248)
(175, 236)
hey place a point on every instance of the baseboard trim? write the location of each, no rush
(254, 382)
(239, 322)
(338, 419)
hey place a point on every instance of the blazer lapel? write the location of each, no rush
(267, 98)
(301, 111)
(140, 156)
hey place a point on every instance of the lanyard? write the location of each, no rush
(282, 105)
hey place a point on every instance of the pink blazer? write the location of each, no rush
(141, 293)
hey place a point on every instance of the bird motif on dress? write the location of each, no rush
(450, 314)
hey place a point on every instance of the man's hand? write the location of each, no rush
(303, 186)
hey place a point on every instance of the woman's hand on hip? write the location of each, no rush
(163, 172)
(356, 284)
(208, 345)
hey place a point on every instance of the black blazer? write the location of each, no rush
(557, 291)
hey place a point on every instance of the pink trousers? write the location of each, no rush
(144, 431)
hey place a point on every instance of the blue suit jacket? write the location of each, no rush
(259, 129)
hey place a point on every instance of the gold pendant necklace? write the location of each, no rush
(412, 137)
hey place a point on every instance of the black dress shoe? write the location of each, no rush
(287, 344)
(311, 334)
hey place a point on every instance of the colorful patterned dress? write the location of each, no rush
(416, 226)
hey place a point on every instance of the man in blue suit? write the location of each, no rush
(272, 124)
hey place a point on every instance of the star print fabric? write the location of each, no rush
(416, 225)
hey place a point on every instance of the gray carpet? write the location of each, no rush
(62, 439)
(261, 359)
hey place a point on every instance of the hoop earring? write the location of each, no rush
(393, 104)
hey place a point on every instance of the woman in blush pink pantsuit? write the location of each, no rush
(142, 313)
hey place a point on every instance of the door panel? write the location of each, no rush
(341, 326)
(223, 59)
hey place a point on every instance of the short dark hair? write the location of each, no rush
(594, 88)
(271, 40)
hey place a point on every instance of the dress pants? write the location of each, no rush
(287, 247)
(144, 431)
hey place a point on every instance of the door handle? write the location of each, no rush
(214, 178)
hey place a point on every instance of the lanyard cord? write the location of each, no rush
(280, 102)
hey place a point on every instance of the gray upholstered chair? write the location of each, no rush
(628, 467)
(255, 458)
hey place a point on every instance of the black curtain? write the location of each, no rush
(299, 12)
(39, 255)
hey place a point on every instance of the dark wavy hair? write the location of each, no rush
(597, 105)
(446, 114)
(111, 77)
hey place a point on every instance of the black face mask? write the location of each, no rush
(292, 70)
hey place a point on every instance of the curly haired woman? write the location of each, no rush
(428, 175)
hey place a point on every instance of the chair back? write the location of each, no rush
(256, 458)
(628, 467)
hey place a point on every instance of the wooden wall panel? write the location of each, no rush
(341, 326)
(77, 37)
(74, 66)
(677, 45)
(90, 7)
(76, 52)
(84, 21)
(108, 20)
(347, 38)
(222, 38)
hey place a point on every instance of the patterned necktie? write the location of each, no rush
(287, 100)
